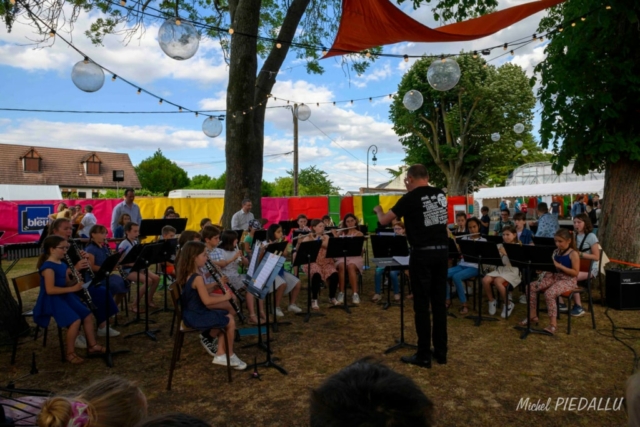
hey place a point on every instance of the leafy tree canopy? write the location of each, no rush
(160, 175)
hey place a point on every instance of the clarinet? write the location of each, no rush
(120, 270)
(217, 276)
(77, 249)
(84, 294)
(212, 270)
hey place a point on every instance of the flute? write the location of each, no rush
(212, 270)
(84, 294)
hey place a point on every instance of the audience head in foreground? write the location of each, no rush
(173, 420)
(368, 393)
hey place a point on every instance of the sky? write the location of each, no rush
(335, 138)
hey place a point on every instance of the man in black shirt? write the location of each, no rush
(424, 210)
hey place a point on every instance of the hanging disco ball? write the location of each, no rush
(178, 41)
(524, 152)
(87, 76)
(412, 100)
(495, 137)
(519, 144)
(518, 128)
(212, 127)
(302, 112)
(443, 74)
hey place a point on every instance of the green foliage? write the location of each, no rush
(450, 133)
(205, 182)
(267, 189)
(457, 10)
(160, 175)
(283, 186)
(113, 194)
(395, 173)
(590, 85)
(314, 182)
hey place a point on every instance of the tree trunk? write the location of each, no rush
(457, 184)
(245, 133)
(619, 225)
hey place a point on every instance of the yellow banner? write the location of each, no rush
(387, 202)
(194, 209)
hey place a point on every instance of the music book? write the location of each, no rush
(259, 284)
(402, 260)
(254, 259)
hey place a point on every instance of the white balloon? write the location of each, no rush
(495, 137)
(519, 144)
(412, 100)
(178, 41)
(443, 74)
(302, 112)
(525, 152)
(518, 128)
(87, 76)
(212, 127)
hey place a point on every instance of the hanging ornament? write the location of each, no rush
(302, 112)
(212, 127)
(519, 144)
(495, 137)
(178, 41)
(443, 74)
(524, 152)
(87, 76)
(518, 128)
(412, 100)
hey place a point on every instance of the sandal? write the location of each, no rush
(96, 349)
(447, 304)
(74, 359)
(253, 319)
(551, 329)
(463, 310)
(534, 320)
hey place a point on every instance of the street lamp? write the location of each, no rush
(374, 151)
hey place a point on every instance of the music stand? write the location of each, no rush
(474, 251)
(387, 247)
(130, 258)
(153, 227)
(259, 236)
(529, 257)
(494, 239)
(168, 251)
(104, 274)
(400, 343)
(287, 226)
(307, 254)
(343, 248)
(544, 241)
(151, 254)
(273, 248)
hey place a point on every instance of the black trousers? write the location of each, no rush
(428, 271)
(316, 282)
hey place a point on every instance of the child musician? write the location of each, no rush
(355, 264)
(292, 288)
(567, 262)
(197, 301)
(60, 301)
(131, 233)
(505, 278)
(324, 269)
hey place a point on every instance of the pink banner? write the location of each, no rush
(22, 221)
(275, 209)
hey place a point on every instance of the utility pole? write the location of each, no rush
(295, 149)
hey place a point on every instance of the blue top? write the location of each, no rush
(547, 226)
(485, 230)
(565, 259)
(118, 232)
(196, 315)
(526, 237)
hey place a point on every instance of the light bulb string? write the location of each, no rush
(570, 22)
(87, 57)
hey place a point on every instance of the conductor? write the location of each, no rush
(424, 210)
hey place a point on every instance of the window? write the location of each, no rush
(82, 194)
(32, 162)
(92, 164)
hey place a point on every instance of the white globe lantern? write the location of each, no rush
(518, 128)
(443, 74)
(412, 100)
(525, 152)
(495, 137)
(519, 144)
(87, 76)
(302, 112)
(179, 40)
(212, 127)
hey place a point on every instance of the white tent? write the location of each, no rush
(30, 192)
(535, 190)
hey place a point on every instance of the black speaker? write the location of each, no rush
(118, 176)
(623, 289)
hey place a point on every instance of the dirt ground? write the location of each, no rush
(489, 367)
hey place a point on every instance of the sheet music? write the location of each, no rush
(254, 259)
(402, 260)
(266, 270)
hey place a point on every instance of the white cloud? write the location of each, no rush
(104, 136)
(375, 75)
(141, 61)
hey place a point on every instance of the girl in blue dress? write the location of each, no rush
(196, 300)
(59, 301)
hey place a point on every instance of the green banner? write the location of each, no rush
(334, 208)
(370, 218)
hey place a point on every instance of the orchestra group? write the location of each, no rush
(209, 267)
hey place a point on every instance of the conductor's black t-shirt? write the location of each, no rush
(424, 210)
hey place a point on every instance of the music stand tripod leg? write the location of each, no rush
(387, 273)
(270, 362)
(479, 318)
(528, 329)
(108, 354)
(150, 333)
(260, 343)
(401, 344)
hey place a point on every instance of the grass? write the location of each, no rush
(489, 367)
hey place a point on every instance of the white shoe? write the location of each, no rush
(355, 298)
(314, 304)
(396, 297)
(81, 341)
(340, 297)
(492, 307)
(504, 310)
(376, 297)
(469, 290)
(523, 299)
(294, 308)
(237, 364)
(102, 332)
(279, 312)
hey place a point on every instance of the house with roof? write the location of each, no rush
(82, 173)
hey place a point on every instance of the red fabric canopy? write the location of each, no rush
(368, 23)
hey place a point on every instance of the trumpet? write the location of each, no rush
(212, 270)
(84, 294)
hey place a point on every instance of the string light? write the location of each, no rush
(504, 47)
(278, 45)
(178, 22)
(86, 60)
(196, 114)
(369, 99)
(334, 103)
(324, 51)
(486, 52)
(534, 37)
(13, 2)
(139, 91)
(160, 102)
(475, 54)
(123, 3)
(608, 7)
(230, 30)
(317, 104)
(573, 24)
(512, 54)
(113, 79)
(442, 58)
(180, 109)
(406, 58)
(560, 29)
(52, 33)
(352, 102)
(583, 18)
(368, 54)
